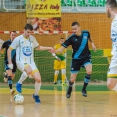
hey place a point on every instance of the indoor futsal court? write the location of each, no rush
(48, 29)
(55, 104)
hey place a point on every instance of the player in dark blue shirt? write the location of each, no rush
(81, 56)
(10, 73)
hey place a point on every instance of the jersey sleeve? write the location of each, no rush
(35, 43)
(15, 43)
(86, 31)
(114, 31)
(67, 42)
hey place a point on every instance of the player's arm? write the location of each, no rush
(14, 45)
(93, 45)
(54, 55)
(44, 48)
(38, 47)
(60, 49)
(10, 65)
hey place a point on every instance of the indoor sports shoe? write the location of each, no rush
(84, 93)
(19, 87)
(64, 84)
(55, 83)
(68, 94)
(36, 98)
(5, 77)
(12, 92)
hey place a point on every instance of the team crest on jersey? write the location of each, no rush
(27, 51)
(76, 39)
(85, 37)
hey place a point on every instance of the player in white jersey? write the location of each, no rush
(111, 11)
(25, 45)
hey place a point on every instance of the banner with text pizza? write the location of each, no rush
(44, 15)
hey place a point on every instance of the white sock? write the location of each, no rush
(37, 88)
(23, 77)
(115, 88)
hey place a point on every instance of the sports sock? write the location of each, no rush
(86, 81)
(23, 77)
(9, 82)
(37, 88)
(115, 88)
(56, 75)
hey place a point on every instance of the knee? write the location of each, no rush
(109, 85)
(63, 71)
(38, 80)
(89, 72)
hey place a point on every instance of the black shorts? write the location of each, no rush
(78, 63)
(14, 66)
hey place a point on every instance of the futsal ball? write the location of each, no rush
(18, 98)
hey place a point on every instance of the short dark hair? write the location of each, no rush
(75, 23)
(28, 26)
(13, 31)
(111, 3)
(61, 38)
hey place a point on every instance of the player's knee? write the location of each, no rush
(13, 76)
(63, 71)
(56, 72)
(89, 72)
(110, 85)
(9, 74)
(38, 80)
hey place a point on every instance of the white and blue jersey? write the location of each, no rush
(24, 48)
(114, 37)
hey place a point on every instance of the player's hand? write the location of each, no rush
(10, 66)
(51, 49)
(94, 47)
(58, 59)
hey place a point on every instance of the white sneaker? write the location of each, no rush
(5, 78)
(12, 92)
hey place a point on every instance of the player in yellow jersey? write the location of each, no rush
(59, 63)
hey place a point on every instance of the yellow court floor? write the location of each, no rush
(55, 104)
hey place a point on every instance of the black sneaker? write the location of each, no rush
(55, 83)
(68, 94)
(84, 93)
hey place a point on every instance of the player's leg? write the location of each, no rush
(71, 82)
(112, 75)
(56, 72)
(87, 63)
(75, 67)
(9, 77)
(5, 73)
(24, 75)
(63, 72)
(5, 76)
(36, 75)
